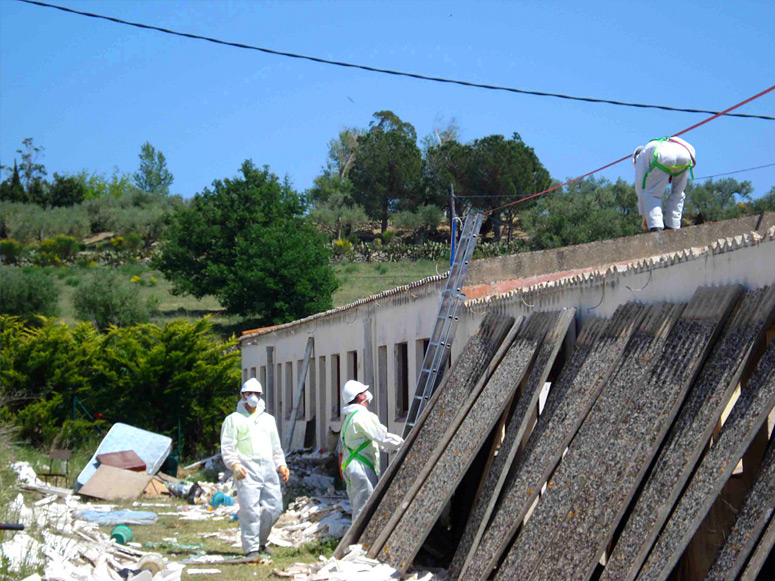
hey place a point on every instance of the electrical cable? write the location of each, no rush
(386, 71)
(682, 132)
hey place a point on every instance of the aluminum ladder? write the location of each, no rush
(437, 353)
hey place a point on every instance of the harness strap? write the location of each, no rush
(354, 454)
(671, 170)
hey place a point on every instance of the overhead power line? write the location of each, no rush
(387, 71)
(606, 166)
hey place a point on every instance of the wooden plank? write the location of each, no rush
(480, 416)
(752, 518)
(691, 432)
(109, 483)
(299, 393)
(606, 486)
(517, 427)
(745, 420)
(436, 435)
(450, 394)
(598, 351)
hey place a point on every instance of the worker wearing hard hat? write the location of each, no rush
(250, 446)
(659, 162)
(361, 438)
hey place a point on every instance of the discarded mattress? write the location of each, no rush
(125, 459)
(152, 449)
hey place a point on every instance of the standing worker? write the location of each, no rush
(659, 162)
(250, 446)
(361, 437)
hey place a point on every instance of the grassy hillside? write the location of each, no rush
(356, 280)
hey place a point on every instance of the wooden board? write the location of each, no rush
(109, 483)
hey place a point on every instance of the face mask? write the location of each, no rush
(252, 400)
(369, 397)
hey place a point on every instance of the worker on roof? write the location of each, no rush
(658, 163)
(361, 438)
(250, 446)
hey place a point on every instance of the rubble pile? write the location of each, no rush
(354, 566)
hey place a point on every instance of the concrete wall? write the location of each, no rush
(644, 245)
(373, 339)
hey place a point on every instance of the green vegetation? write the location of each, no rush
(109, 299)
(247, 243)
(27, 292)
(359, 280)
(158, 378)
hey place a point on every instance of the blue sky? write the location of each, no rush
(91, 92)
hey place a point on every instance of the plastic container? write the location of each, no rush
(122, 534)
(221, 499)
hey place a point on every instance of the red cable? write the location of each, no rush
(695, 126)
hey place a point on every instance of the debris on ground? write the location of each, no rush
(354, 566)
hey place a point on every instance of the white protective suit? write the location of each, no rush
(252, 441)
(659, 162)
(361, 438)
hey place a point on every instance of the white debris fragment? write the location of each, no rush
(26, 474)
(203, 571)
(22, 550)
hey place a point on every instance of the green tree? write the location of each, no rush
(766, 203)
(12, 190)
(438, 166)
(31, 170)
(66, 191)
(388, 166)
(337, 215)
(153, 177)
(247, 243)
(583, 211)
(503, 170)
(711, 201)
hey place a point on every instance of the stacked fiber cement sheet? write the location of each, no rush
(753, 516)
(542, 529)
(462, 443)
(517, 427)
(599, 349)
(691, 432)
(611, 462)
(418, 451)
(760, 554)
(747, 417)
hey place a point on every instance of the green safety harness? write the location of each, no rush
(671, 170)
(354, 454)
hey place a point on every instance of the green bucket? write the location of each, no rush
(122, 534)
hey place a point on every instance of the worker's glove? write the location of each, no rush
(284, 472)
(239, 472)
(392, 442)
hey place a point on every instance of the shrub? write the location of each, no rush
(430, 216)
(109, 299)
(388, 236)
(26, 293)
(10, 251)
(180, 374)
(407, 220)
(342, 247)
(133, 242)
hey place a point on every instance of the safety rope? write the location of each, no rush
(581, 177)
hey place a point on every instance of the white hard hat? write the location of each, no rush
(252, 385)
(351, 389)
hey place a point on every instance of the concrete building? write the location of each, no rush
(381, 340)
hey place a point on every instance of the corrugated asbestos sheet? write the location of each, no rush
(616, 474)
